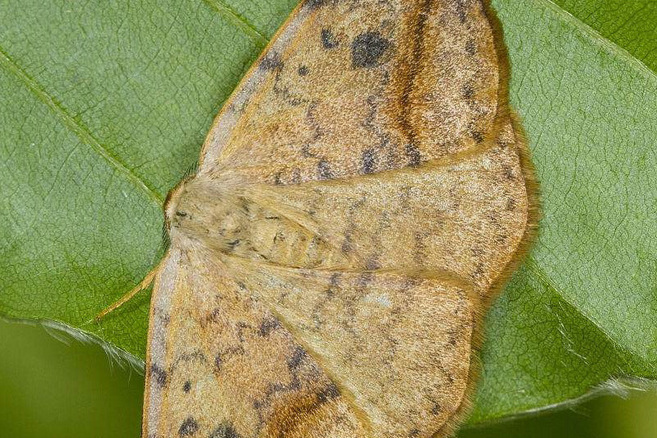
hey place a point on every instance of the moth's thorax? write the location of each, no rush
(228, 221)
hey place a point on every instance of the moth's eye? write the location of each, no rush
(181, 213)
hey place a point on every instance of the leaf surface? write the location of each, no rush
(105, 106)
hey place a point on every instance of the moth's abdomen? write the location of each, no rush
(276, 239)
(238, 226)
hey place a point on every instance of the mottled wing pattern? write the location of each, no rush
(390, 193)
(466, 215)
(397, 344)
(220, 365)
(353, 87)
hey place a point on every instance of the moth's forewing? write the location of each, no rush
(220, 364)
(355, 87)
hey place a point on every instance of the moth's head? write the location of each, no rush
(203, 211)
(174, 209)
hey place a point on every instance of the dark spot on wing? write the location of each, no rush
(329, 41)
(468, 91)
(460, 10)
(312, 4)
(413, 154)
(297, 358)
(187, 386)
(367, 48)
(364, 280)
(188, 427)
(303, 70)
(372, 264)
(477, 136)
(479, 270)
(268, 326)
(470, 48)
(328, 393)
(271, 62)
(324, 170)
(159, 375)
(508, 172)
(368, 161)
(225, 431)
(510, 204)
(218, 362)
(334, 283)
(213, 318)
(305, 151)
(347, 246)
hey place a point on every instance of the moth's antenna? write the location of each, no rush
(148, 279)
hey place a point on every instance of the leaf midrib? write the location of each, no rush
(76, 127)
(545, 279)
(239, 21)
(84, 133)
(605, 42)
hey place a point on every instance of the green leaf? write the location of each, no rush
(105, 106)
(583, 308)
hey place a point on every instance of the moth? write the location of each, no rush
(359, 202)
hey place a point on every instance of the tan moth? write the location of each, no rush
(360, 200)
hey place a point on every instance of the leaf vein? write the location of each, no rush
(545, 279)
(620, 51)
(75, 126)
(239, 21)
